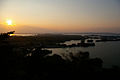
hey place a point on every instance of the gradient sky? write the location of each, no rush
(61, 15)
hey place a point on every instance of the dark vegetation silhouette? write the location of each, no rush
(34, 63)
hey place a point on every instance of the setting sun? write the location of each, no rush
(9, 22)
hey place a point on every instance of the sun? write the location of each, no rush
(9, 22)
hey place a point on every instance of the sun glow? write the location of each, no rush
(9, 22)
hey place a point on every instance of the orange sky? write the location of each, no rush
(61, 15)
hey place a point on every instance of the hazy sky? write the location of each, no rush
(61, 15)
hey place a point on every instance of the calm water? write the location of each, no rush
(83, 34)
(23, 34)
(102, 34)
(109, 52)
